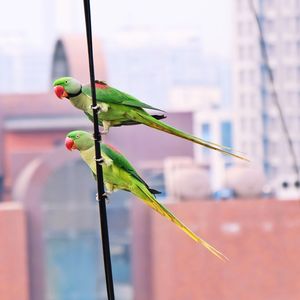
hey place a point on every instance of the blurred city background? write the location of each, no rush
(201, 61)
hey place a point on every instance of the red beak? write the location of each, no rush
(69, 143)
(60, 92)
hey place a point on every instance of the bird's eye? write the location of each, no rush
(77, 136)
(66, 81)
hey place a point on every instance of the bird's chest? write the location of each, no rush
(89, 157)
(82, 102)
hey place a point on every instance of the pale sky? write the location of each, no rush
(213, 19)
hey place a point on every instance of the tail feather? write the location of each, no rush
(143, 117)
(144, 194)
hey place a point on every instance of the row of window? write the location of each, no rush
(285, 49)
(274, 150)
(247, 52)
(288, 74)
(273, 125)
(249, 124)
(248, 76)
(290, 24)
(291, 99)
(247, 100)
(251, 148)
(277, 150)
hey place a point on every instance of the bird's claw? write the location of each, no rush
(104, 131)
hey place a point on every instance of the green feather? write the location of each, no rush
(111, 95)
(118, 173)
(120, 161)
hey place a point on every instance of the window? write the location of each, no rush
(290, 73)
(268, 4)
(243, 125)
(243, 100)
(242, 52)
(226, 132)
(271, 49)
(269, 25)
(206, 134)
(206, 131)
(242, 76)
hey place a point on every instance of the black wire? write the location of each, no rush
(275, 97)
(100, 183)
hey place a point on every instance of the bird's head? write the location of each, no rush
(80, 140)
(66, 87)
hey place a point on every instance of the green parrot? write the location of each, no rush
(119, 174)
(118, 108)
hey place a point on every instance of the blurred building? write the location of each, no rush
(56, 200)
(260, 239)
(257, 127)
(23, 68)
(14, 273)
(212, 122)
(167, 61)
(56, 189)
(215, 126)
(26, 49)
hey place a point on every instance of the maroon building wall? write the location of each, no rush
(261, 239)
(143, 144)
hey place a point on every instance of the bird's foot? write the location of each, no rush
(104, 131)
(104, 107)
(106, 126)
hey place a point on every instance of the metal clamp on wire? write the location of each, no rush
(97, 108)
(103, 197)
(99, 160)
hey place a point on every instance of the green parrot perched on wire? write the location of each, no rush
(117, 108)
(119, 174)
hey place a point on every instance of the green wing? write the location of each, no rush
(121, 162)
(111, 95)
(128, 122)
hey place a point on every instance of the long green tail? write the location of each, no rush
(144, 194)
(144, 118)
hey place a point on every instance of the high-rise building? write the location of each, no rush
(258, 131)
(152, 66)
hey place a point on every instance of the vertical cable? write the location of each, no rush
(97, 137)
